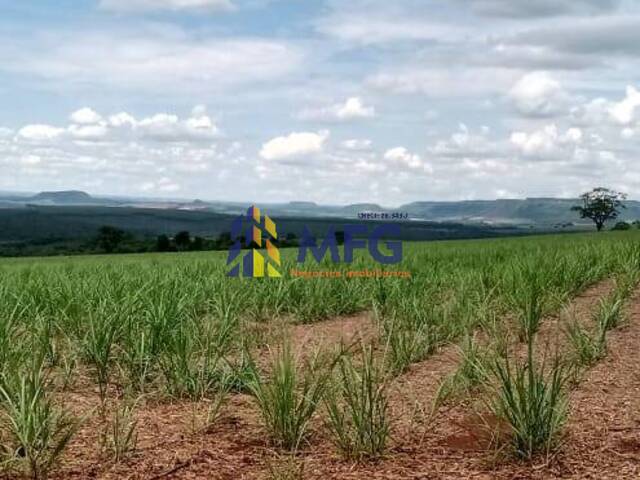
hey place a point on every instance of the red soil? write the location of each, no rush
(602, 440)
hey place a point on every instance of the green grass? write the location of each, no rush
(357, 406)
(37, 431)
(174, 326)
(531, 399)
(288, 395)
(587, 347)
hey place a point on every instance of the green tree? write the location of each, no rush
(223, 242)
(198, 244)
(600, 205)
(622, 226)
(182, 240)
(163, 244)
(109, 238)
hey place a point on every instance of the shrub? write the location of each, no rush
(622, 226)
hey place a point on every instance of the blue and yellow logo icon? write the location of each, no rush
(247, 231)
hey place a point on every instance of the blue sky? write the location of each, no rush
(327, 101)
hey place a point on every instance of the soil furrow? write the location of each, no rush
(236, 447)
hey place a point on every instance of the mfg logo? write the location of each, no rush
(254, 232)
(355, 237)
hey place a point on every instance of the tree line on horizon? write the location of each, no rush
(600, 205)
(113, 240)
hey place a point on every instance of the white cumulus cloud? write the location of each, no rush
(356, 144)
(538, 94)
(122, 119)
(403, 157)
(169, 127)
(88, 132)
(352, 108)
(40, 132)
(294, 145)
(623, 112)
(85, 116)
(547, 142)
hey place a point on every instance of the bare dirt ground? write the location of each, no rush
(346, 329)
(602, 439)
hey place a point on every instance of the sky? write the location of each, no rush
(330, 101)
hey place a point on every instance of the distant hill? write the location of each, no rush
(537, 213)
(528, 211)
(46, 223)
(356, 208)
(66, 197)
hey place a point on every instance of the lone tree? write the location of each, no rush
(600, 205)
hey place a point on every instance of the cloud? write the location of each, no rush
(547, 143)
(465, 143)
(609, 35)
(539, 8)
(402, 157)
(294, 145)
(353, 108)
(368, 29)
(40, 132)
(160, 127)
(30, 160)
(88, 132)
(166, 5)
(85, 116)
(623, 112)
(538, 94)
(443, 82)
(377, 22)
(150, 59)
(536, 57)
(153, 154)
(593, 112)
(163, 185)
(601, 111)
(122, 119)
(356, 144)
(168, 127)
